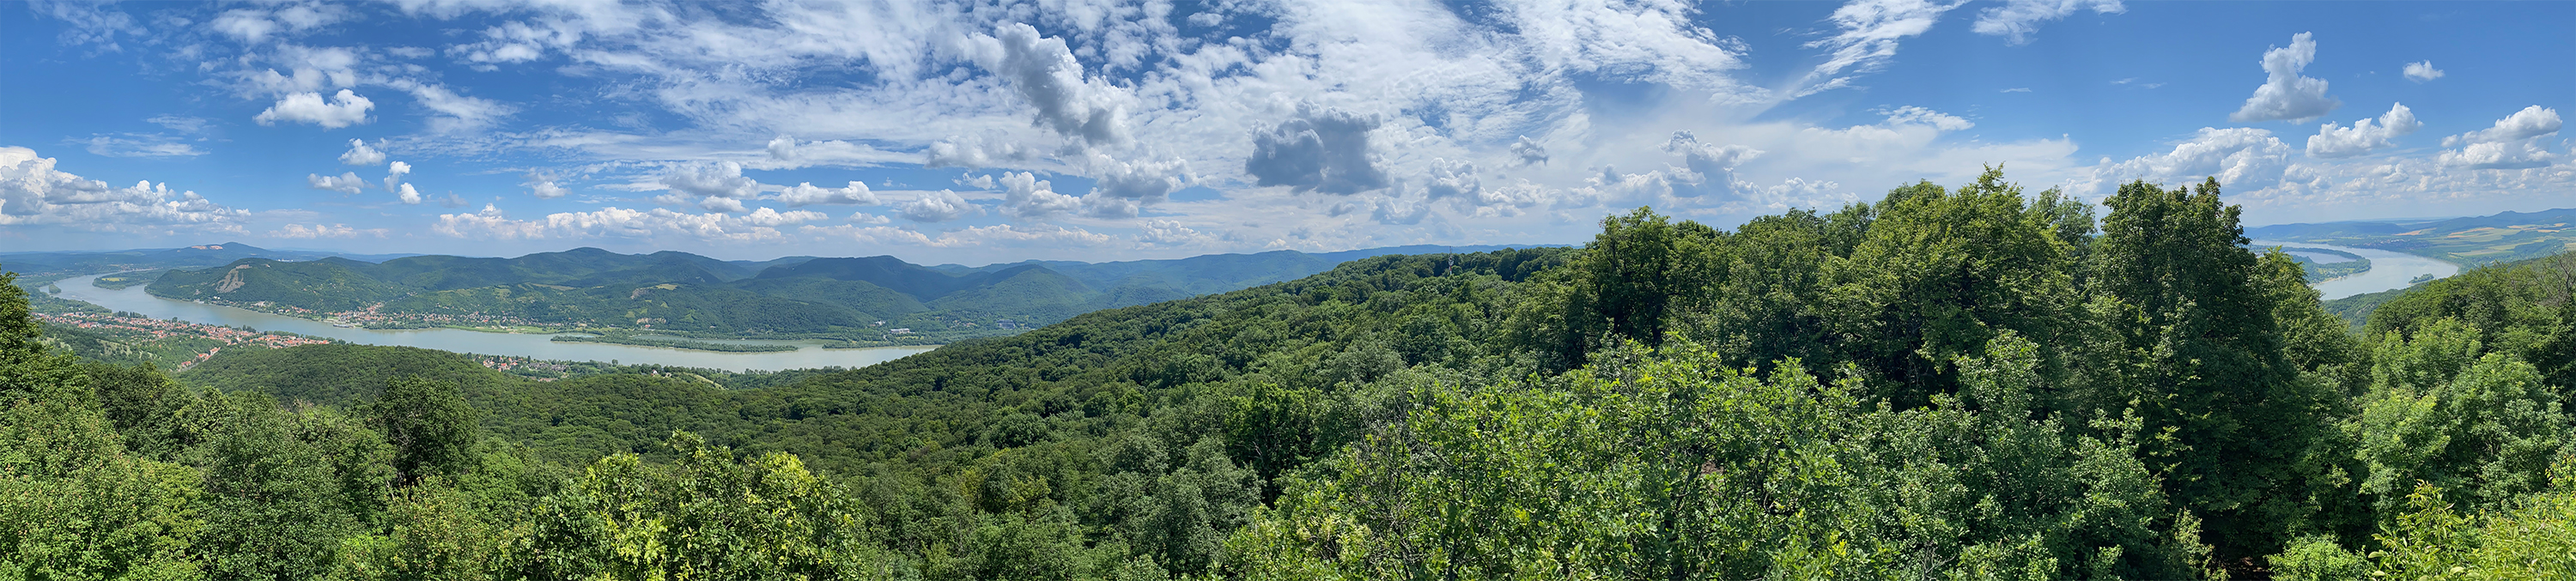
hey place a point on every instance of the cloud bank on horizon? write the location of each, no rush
(991, 132)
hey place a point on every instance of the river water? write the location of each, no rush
(810, 353)
(2388, 270)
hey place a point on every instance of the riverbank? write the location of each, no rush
(170, 345)
(496, 340)
(2324, 264)
(673, 343)
(2389, 270)
(372, 319)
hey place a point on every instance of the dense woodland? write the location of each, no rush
(1947, 383)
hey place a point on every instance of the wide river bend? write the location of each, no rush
(2388, 270)
(810, 353)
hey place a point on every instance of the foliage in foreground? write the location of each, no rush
(1675, 466)
(1947, 383)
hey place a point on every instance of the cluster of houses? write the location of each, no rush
(167, 328)
(1000, 324)
(374, 314)
(521, 364)
(158, 329)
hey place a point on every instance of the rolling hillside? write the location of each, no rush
(2505, 237)
(1213, 273)
(860, 299)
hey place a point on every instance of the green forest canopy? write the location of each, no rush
(1968, 382)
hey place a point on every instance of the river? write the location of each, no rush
(810, 353)
(2388, 270)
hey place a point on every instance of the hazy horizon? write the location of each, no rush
(726, 257)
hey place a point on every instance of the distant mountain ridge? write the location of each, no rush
(2503, 237)
(194, 256)
(858, 298)
(1216, 273)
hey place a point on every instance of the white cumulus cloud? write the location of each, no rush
(394, 173)
(2422, 71)
(1026, 196)
(2286, 95)
(888, 235)
(1045, 73)
(1171, 233)
(772, 217)
(2336, 141)
(1709, 168)
(489, 224)
(492, 224)
(939, 206)
(1450, 179)
(2515, 142)
(320, 231)
(721, 179)
(2242, 159)
(720, 204)
(1125, 187)
(518, 42)
(544, 188)
(806, 194)
(343, 110)
(1018, 235)
(346, 182)
(1706, 179)
(360, 154)
(32, 192)
(972, 152)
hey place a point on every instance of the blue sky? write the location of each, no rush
(1104, 130)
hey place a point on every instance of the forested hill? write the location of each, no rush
(1968, 382)
(848, 298)
(1215, 273)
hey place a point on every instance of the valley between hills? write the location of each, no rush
(670, 299)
